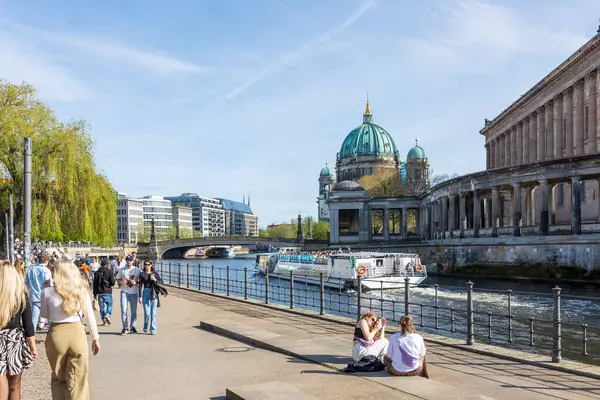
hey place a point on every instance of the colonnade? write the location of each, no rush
(565, 126)
(481, 212)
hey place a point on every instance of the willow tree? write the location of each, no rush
(71, 200)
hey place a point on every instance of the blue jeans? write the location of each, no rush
(130, 300)
(105, 301)
(35, 313)
(149, 310)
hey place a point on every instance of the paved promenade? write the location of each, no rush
(186, 362)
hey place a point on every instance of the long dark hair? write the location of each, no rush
(151, 265)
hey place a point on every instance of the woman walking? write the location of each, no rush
(66, 344)
(149, 295)
(17, 333)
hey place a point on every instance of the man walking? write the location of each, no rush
(104, 280)
(127, 278)
(36, 279)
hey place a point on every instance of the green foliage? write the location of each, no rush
(71, 200)
(263, 233)
(320, 230)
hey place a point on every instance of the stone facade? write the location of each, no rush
(542, 179)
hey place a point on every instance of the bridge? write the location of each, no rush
(178, 248)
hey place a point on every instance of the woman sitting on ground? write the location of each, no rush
(406, 352)
(368, 338)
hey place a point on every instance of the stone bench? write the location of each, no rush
(275, 390)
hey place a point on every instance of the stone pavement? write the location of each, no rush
(184, 362)
(455, 373)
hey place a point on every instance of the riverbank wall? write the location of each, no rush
(552, 257)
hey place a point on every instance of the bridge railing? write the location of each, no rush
(544, 323)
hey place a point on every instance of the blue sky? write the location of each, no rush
(226, 97)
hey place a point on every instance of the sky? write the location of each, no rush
(223, 98)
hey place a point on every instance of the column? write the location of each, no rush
(549, 130)
(488, 212)
(568, 118)
(513, 146)
(444, 216)
(462, 212)
(558, 118)
(544, 208)
(386, 224)
(495, 210)
(476, 214)
(576, 205)
(525, 125)
(551, 204)
(498, 161)
(506, 139)
(519, 144)
(334, 229)
(590, 82)
(541, 134)
(597, 113)
(533, 138)
(404, 223)
(429, 221)
(516, 205)
(452, 212)
(578, 117)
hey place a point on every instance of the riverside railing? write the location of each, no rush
(454, 311)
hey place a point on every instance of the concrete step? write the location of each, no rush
(274, 390)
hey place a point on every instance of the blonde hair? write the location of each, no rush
(20, 266)
(407, 325)
(12, 292)
(71, 286)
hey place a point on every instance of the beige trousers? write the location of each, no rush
(67, 352)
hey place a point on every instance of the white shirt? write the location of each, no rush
(411, 342)
(95, 266)
(129, 273)
(51, 308)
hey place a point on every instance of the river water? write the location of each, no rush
(531, 305)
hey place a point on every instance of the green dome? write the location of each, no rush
(369, 139)
(416, 152)
(325, 171)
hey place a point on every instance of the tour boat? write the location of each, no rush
(341, 270)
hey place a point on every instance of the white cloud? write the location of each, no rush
(24, 62)
(157, 62)
(477, 35)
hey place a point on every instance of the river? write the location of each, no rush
(531, 305)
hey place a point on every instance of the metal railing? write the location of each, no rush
(543, 330)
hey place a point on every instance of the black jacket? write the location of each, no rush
(104, 280)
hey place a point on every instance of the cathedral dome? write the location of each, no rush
(369, 139)
(325, 171)
(416, 152)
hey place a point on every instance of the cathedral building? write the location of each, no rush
(367, 149)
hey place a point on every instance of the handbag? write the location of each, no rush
(95, 305)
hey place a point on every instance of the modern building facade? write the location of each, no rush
(239, 218)
(208, 216)
(130, 221)
(160, 210)
(182, 220)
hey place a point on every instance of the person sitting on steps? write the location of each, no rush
(369, 338)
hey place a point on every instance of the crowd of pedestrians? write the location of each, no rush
(61, 295)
